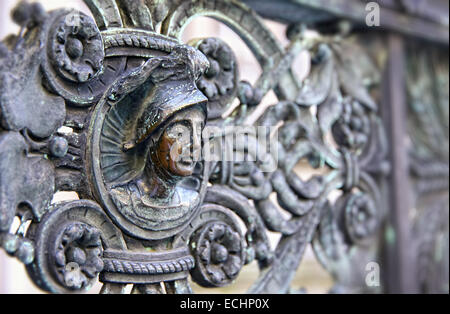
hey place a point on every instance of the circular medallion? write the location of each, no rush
(219, 254)
(75, 66)
(116, 175)
(69, 242)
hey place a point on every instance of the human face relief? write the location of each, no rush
(180, 145)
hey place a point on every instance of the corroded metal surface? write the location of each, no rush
(425, 19)
(119, 110)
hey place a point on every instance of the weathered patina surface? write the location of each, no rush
(117, 109)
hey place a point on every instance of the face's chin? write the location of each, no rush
(178, 165)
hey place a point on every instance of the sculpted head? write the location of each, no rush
(178, 148)
(163, 113)
(151, 142)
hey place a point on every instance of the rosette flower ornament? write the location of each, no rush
(220, 82)
(219, 256)
(352, 129)
(359, 217)
(78, 256)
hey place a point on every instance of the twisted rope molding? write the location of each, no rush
(137, 39)
(148, 268)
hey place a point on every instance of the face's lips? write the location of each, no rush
(187, 162)
(187, 168)
(186, 159)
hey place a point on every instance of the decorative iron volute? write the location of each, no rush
(114, 107)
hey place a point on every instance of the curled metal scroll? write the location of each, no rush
(135, 101)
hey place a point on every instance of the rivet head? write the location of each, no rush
(58, 147)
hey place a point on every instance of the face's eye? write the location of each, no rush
(178, 131)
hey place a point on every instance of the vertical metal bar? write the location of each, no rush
(400, 275)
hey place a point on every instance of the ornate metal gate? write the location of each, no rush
(117, 109)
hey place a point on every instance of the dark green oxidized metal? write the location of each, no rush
(153, 212)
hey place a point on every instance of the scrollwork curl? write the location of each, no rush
(69, 241)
